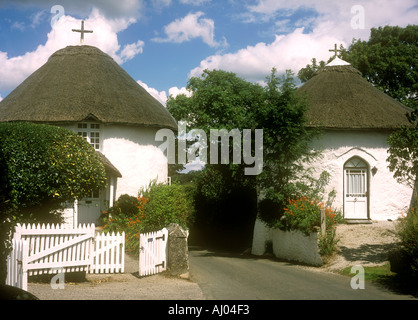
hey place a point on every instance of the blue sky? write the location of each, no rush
(162, 43)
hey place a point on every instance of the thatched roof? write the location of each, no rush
(82, 82)
(109, 167)
(340, 98)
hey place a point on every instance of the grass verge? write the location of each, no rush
(383, 276)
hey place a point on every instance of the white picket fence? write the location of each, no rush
(109, 253)
(17, 274)
(50, 249)
(40, 249)
(153, 252)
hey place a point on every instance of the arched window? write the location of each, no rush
(356, 177)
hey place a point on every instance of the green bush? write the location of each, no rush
(125, 206)
(167, 204)
(408, 234)
(154, 209)
(43, 166)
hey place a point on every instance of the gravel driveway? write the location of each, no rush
(363, 244)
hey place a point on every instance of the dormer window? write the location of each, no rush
(91, 133)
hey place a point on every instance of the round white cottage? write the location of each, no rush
(356, 120)
(84, 90)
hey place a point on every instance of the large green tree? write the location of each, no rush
(403, 153)
(221, 100)
(41, 167)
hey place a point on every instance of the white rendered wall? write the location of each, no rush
(289, 245)
(388, 199)
(135, 153)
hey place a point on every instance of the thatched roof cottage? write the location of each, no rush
(356, 119)
(83, 89)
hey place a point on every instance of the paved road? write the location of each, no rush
(240, 277)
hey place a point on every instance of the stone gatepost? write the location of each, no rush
(177, 251)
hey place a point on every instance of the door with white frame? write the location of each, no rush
(356, 185)
(89, 209)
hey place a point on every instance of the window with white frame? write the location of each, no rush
(356, 178)
(91, 132)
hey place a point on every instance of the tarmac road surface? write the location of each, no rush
(245, 277)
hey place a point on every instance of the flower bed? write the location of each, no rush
(295, 235)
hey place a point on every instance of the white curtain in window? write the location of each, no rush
(356, 182)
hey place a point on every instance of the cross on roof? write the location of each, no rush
(335, 50)
(82, 31)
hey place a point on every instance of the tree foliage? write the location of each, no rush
(403, 152)
(221, 100)
(389, 60)
(309, 71)
(43, 166)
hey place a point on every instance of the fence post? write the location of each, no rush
(323, 222)
(24, 266)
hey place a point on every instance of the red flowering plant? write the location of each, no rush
(135, 226)
(126, 215)
(304, 214)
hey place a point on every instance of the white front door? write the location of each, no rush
(89, 210)
(355, 189)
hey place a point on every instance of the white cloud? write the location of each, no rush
(15, 69)
(131, 50)
(18, 26)
(109, 8)
(38, 18)
(160, 96)
(255, 62)
(330, 21)
(190, 27)
(175, 91)
(194, 2)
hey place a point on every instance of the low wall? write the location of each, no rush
(288, 245)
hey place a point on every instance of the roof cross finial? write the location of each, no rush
(335, 50)
(82, 31)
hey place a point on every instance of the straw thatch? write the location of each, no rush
(79, 83)
(340, 98)
(109, 167)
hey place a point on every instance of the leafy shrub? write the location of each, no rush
(167, 204)
(155, 208)
(43, 166)
(125, 206)
(270, 211)
(408, 234)
(304, 215)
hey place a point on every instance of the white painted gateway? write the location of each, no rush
(356, 120)
(82, 89)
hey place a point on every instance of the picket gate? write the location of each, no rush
(153, 252)
(56, 246)
(17, 274)
(51, 249)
